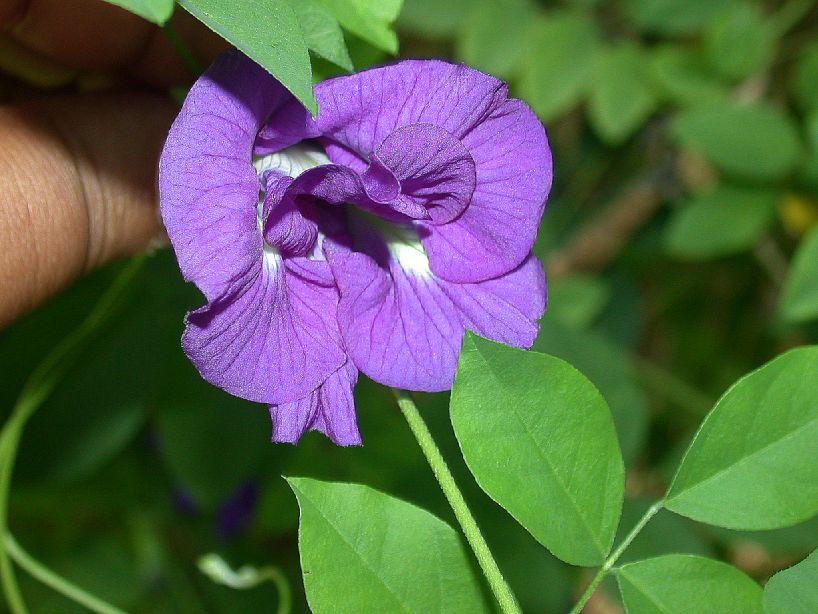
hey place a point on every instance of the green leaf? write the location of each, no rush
(671, 17)
(681, 77)
(794, 590)
(758, 140)
(364, 551)
(155, 11)
(752, 463)
(268, 32)
(369, 19)
(799, 298)
(577, 299)
(724, 221)
(683, 583)
(622, 95)
(527, 418)
(560, 65)
(322, 32)
(609, 368)
(738, 41)
(433, 18)
(805, 78)
(493, 37)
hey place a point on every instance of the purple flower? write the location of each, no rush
(367, 238)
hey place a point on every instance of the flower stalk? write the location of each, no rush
(502, 591)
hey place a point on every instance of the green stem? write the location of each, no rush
(182, 49)
(614, 557)
(38, 387)
(59, 584)
(499, 586)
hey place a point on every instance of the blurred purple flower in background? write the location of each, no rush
(369, 237)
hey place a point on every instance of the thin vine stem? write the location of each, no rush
(502, 591)
(40, 384)
(58, 583)
(614, 557)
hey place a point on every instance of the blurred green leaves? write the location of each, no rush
(494, 36)
(539, 439)
(757, 141)
(752, 463)
(364, 551)
(799, 297)
(670, 17)
(681, 584)
(723, 221)
(560, 65)
(739, 41)
(622, 96)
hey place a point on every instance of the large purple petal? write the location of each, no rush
(357, 112)
(276, 339)
(208, 187)
(329, 409)
(498, 229)
(403, 325)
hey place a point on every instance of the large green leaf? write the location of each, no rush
(724, 221)
(683, 584)
(364, 551)
(752, 463)
(739, 41)
(156, 11)
(560, 65)
(494, 36)
(609, 368)
(322, 32)
(622, 95)
(758, 140)
(794, 590)
(370, 19)
(268, 32)
(799, 298)
(524, 418)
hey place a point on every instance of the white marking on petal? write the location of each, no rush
(404, 244)
(292, 161)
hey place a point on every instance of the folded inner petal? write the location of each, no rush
(275, 340)
(432, 168)
(286, 228)
(329, 409)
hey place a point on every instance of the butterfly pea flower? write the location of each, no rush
(367, 238)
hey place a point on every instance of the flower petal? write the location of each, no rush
(431, 167)
(285, 226)
(357, 112)
(290, 123)
(329, 409)
(208, 187)
(497, 230)
(276, 339)
(402, 325)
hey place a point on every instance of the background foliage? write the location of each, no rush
(681, 243)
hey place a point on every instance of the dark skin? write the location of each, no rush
(78, 171)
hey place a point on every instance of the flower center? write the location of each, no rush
(292, 160)
(402, 241)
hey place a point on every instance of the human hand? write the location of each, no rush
(77, 170)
